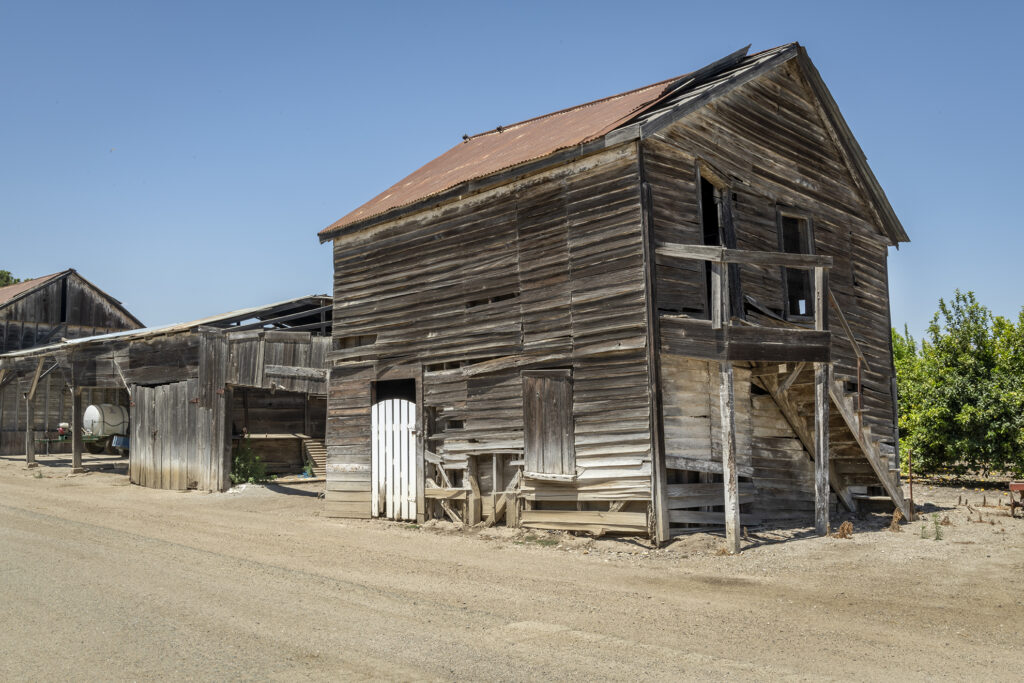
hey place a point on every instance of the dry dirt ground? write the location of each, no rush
(100, 580)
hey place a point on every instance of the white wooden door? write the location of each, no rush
(394, 459)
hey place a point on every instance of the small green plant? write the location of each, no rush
(924, 530)
(307, 470)
(938, 527)
(246, 466)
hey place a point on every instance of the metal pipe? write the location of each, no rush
(910, 473)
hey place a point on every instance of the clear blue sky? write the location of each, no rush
(183, 155)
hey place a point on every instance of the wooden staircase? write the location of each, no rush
(857, 457)
(316, 455)
(880, 456)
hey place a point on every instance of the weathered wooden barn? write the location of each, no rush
(661, 311)
(35, 313)
(193, 390)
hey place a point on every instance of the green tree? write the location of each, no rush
(6, 278)
(962, 390)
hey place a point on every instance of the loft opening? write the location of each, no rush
(715, 212)
(385, 390)
(796, 237)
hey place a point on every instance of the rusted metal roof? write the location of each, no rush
(487, 154)
(12, 292)
(507, 146)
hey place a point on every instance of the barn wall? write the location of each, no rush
(543, 273)
(767, 138)
(41, 316)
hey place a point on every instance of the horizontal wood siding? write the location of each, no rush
(349, 422)
(543, 273)
(36, 318)
(768, 139)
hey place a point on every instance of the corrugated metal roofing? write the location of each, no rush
(11, 292)
(212, 321)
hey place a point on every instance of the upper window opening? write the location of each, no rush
(795, 238)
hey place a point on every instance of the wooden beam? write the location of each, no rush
(849, 332)
(35, 378)
(788, 382)
(803, 432)
(285, 318)
(659, 503)
(474, 504)
(700, 252)
(821, 469)
(30, 441)
(726, 404)
(820, 299)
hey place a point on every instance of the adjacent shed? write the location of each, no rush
(659, 312)
(38, 312)
(195, 389)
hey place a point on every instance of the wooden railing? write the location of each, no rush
(862, 362)
(721, 257)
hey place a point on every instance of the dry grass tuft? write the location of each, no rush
(894, 525)
(845, 530)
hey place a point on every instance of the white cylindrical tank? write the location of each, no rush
(104, 419)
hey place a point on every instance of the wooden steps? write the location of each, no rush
(316, 455)
(881, 459)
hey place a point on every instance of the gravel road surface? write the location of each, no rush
(100, 580)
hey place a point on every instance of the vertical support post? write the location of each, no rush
(860, 397)
(820, 299)
(821, 408)
(496, 486)
(30, 442)
(76, 430)
(473, 500)
(717, 281)
(730, 479)
(821, 411)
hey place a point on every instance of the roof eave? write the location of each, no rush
(478, 185)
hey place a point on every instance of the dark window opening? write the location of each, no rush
(491, 300)
(63, 300)
(356, 341)
(394, 388)
(712, 230)
(795, 238)
(757, 391)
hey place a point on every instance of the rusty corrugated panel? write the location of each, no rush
(11, 292)
(493, 151)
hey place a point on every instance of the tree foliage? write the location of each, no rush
(961, 390)
(6, 278)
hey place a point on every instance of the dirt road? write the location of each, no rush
(102, 580)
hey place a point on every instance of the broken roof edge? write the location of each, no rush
(173, 328)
